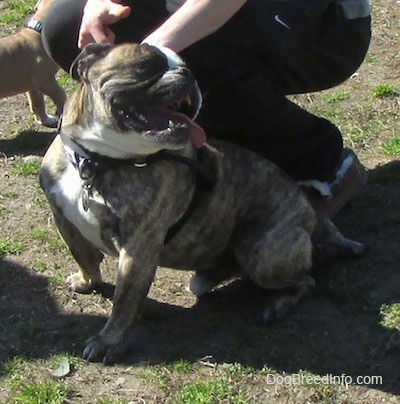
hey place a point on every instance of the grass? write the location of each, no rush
(181, 366)
(335, 97)
(385, 90)
(26, 166)
(391, 316)
(48, 237)
(49, 392)
(10, 247)
(176, 380)
(214, 391)
(17, 11)
(391, 147)
(30, 387)
(157, 375)
(11, 366)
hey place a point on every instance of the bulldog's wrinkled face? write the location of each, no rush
(134, 100)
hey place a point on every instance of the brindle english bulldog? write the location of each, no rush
(130, 176)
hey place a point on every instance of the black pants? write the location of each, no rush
(247, 68)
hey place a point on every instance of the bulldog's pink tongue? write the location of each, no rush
(197, 135)
(158, 117)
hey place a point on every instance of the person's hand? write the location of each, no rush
(97, 15)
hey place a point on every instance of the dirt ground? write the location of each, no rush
(338, 330)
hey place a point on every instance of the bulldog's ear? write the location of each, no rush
(89, 55)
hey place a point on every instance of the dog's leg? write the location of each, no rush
(86, 255)
(52, 89)
(38, 109)
(278, 258)
(280, 307)
(328, 241)
(136, 269)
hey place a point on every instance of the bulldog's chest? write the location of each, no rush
(67, 194)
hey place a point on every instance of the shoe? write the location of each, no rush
(328, 198)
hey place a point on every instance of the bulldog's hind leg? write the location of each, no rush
(86, 255)
(328, 241)
(278, 259)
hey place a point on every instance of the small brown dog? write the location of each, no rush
(26, 67)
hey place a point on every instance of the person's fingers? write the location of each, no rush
(118, 12)
(84, 38)
(97, 30)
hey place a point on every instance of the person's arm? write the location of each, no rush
(193, 21)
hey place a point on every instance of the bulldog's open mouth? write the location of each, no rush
(167, 117)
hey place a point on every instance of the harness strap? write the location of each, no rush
(90, 164)
(204, 182)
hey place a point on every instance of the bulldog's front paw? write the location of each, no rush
(77, 283)
(99, 349)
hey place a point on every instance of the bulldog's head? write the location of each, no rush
(134, 100)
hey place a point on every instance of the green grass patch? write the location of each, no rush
(237, 371)
(211, 392)
(370, 58)
(40, 266)
(158, 376)
(16, 11)
(67, 82)
(39, 235)
(391, 316)
(391, 147)
(385, 90)
(11, 366)
(356, 135)
(336, 97)
(26, 390)
(9, 194)
(181, 367)
(26, 167)
(4, 210)
(10, 247)
(48, 392)
(47, 237)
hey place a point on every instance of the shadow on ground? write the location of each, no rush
(337, 330)
(27, 142)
